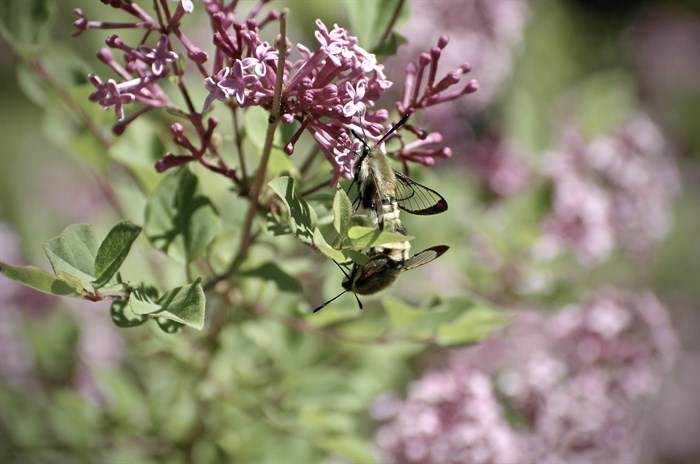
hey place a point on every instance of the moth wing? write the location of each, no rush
(374, 265)
(425, 256)
(416, 198)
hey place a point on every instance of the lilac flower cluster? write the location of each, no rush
(614, 191)
(329, 90)
(450, 417)
(566, 388)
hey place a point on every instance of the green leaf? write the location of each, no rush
(142, 301)
(357, 257)
(325, 248)
(113, 251)
(168, 325)
(302, 218)
(271, 271)
(255, 123)
(185, 305)
(25, 23)
(277, 224)
(370, 19)
(74, 252)
(123, 316)
(180, 220)
(71, 280)
(362, 237)
(477, 323)
(390, 45)
(342, 211)
(41, 280)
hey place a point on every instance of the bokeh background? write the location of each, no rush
(573, 190)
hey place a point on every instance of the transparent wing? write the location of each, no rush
(416, 198)
(425, 256)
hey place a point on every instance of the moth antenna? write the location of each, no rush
(359, 303)
(318, 308)
(357, 298)
(396, 127)
(341, 269)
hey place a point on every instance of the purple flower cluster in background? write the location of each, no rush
(329, 90)
(615, 191)
(570, 387)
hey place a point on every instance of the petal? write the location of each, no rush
(249, 62)
(321, 39)
(157, 67)
(350, 90)
(361, 88)
(240, 96)
(349, 109)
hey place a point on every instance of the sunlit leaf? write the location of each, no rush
(184, 305)
(325, 248)
(74, 252)
(342, 210)
(41, 280)
(142, 302)
(302, 218)
(361, 237)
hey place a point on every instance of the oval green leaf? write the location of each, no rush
(113, 251)
(40, 280)
(74, 252)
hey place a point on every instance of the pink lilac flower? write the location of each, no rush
(332, 90)
(615, 191)
(158, 57)
(111, 94)
(575, 386)
(263, 54)
(187, 5)
(329, 90)
(448, 417)
(229, 82)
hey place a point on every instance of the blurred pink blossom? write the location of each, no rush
(571, 387)
(615, 191)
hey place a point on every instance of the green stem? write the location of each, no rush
(239, 147)
(392, 22)
(274, 120)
